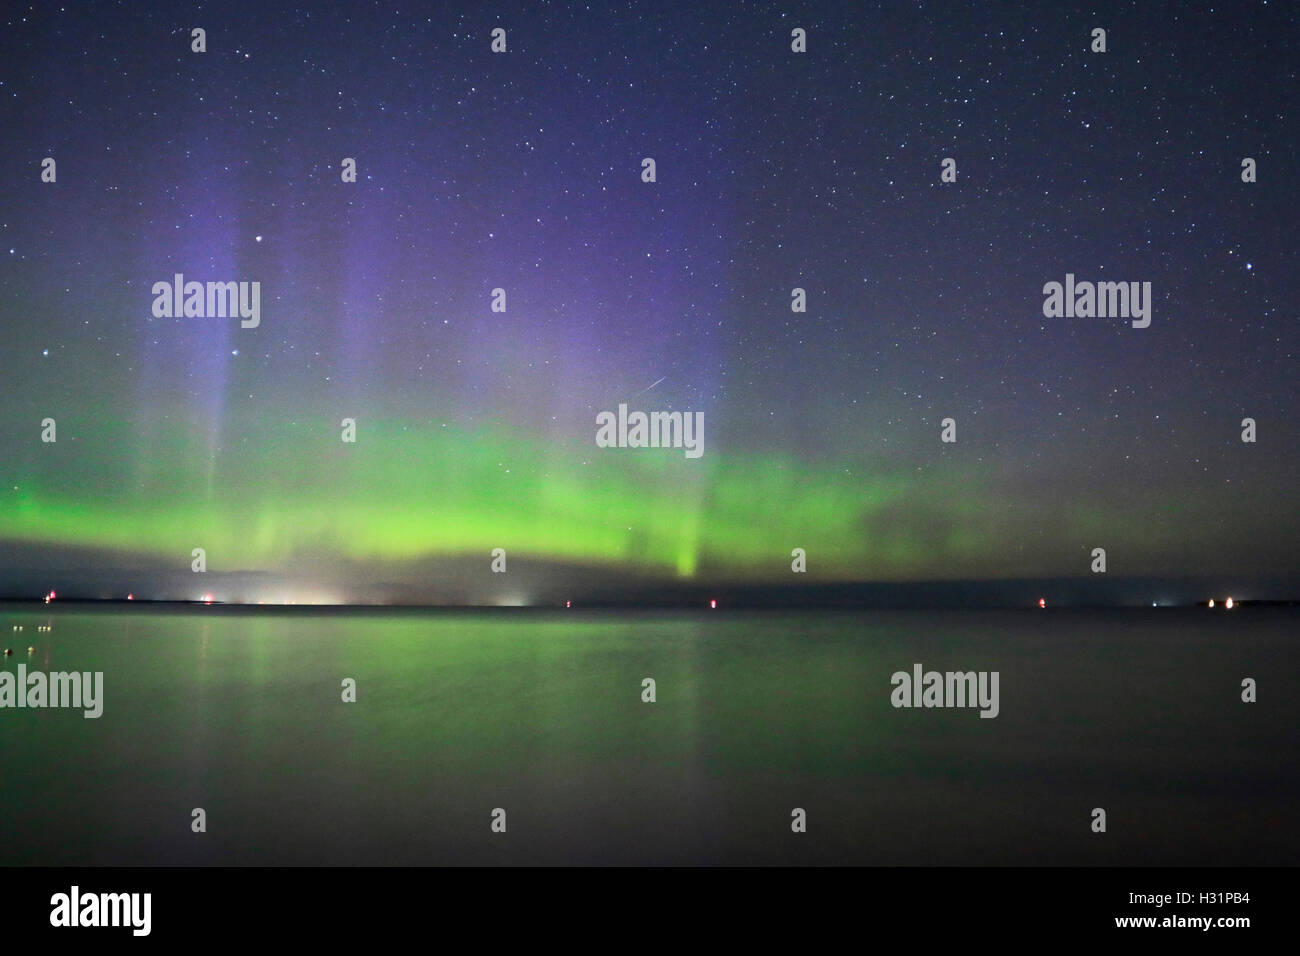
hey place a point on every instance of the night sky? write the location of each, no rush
(522, 171)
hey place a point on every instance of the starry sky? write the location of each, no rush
(522, 171)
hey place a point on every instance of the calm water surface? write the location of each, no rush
(238, 711)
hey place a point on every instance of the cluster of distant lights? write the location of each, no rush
(1228, 603)
(286, 602)
(208, 598)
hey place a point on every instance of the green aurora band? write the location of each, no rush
(406, 490)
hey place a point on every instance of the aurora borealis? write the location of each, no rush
(522, 171)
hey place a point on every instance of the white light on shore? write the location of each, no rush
(1228, 604)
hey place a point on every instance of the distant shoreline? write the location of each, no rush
(19, 603)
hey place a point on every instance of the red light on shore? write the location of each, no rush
(130, 597)
(713, 604)
(567, 604)
(1042, 602)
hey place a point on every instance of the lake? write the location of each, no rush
(239, 711)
